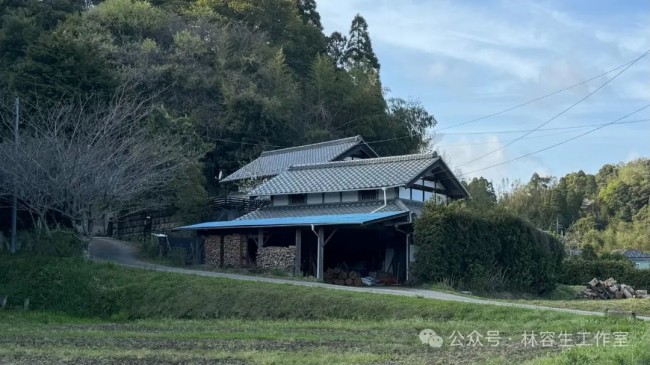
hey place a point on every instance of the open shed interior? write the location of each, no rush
(377, 251)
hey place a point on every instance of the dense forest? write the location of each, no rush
(231, 78)
(242, 76)
(606, 211)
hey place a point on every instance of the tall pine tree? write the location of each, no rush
(359, 51)
(336, 46)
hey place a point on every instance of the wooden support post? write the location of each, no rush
(320, 253)
(221, 247)
(197, 256)
(266, 239)
(260, 238)
(297, 269)
(408, 256)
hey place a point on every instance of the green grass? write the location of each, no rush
(101, 313)
(39, 337)
(640, 307)
(564, 296)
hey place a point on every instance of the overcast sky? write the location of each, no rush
(468, 59)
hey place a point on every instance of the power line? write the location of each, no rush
(246, 143)
(560, 143)
(445, 134)
(541, 97)
(563, 110)
(487, 143)
(562, 130)
(542, 129)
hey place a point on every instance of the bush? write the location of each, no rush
(58, 284)
(178, 256)
(150, 247)
(580, 272)
(61, 242)
(492, 251)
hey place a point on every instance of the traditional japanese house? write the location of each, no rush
(336, 204)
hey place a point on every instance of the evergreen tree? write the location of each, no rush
(359, 51)
(336, 46)
(308, 13)
(482, 193)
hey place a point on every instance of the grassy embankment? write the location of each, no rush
(89, 313)
(564, 296)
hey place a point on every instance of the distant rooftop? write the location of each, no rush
(271, 163)
(636, 254)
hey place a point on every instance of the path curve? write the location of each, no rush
(112, 250)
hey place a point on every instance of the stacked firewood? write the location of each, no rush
(609, 289)
(276, 258)
(235, 251)
(342, 277)
(212, 246)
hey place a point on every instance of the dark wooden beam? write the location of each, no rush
(320, 252)
(330, 236)
(297, 270)
(429, 188)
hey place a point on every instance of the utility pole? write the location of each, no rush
(14, 208)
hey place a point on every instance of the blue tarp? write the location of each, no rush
(317, 220)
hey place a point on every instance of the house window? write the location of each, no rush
(296, 199)
(368, 195)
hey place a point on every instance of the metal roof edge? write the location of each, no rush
(298, 221)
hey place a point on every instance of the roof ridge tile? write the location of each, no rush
(356, 138)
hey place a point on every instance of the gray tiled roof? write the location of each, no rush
(413, 206)
(271, 163)
(348, 175)
(635, 254)
(324, 209)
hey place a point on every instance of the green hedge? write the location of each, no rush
(477, 251)
(579, 272)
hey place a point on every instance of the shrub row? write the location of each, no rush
(473, 248)
(579, 272)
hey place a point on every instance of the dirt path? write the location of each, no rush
(107, 249)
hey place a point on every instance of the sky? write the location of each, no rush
(465, 60)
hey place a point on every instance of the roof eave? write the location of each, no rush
(446, 170)
(329, 191)
(229, 178)
(198, 227)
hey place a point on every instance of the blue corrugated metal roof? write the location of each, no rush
(317, 220)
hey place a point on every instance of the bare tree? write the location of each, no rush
(86, 156)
